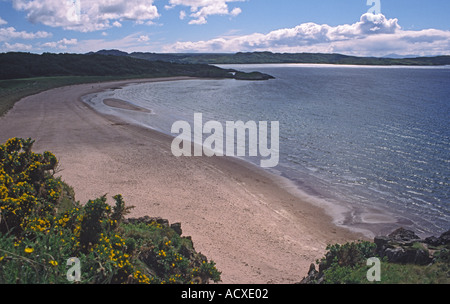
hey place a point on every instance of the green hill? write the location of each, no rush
(268, 57)
(27, 65)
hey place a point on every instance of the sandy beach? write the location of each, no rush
(238, 215)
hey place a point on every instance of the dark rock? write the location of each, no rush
(177, 228)
(445, 238)
(403, 235)
(381, 242)
(404, 247)
(433, 241)
(408, 255)
(312, 277)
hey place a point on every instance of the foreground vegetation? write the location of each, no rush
(42, 227)
(347, 264)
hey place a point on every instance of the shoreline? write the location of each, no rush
(255, 229)
(369, 221)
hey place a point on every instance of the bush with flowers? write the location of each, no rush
(42, 227)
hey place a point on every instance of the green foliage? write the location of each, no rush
(26, 65)
(169, 257)
(436, 273)
(346, 264)
(38, 235)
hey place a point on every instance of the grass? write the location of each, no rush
(414, 274)
(346, 264)
(391, 273)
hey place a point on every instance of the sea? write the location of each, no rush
(370, 144)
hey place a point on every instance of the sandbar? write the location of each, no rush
(122, 104)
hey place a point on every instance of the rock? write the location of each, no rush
(381, 242)
(405, 247)
(433, 241)
(445, 238)
(407, 255)
(403, 235)
(177, 228)
(312, 277)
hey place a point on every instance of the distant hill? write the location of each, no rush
(268, 57)
(396, 56)
(111, 63)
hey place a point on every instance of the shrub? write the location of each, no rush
(346, 264)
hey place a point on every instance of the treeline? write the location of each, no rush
(269, 57)
(27, 65)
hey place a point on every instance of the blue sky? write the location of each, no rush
(404, 27)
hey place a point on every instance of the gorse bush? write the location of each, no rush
(39, 234)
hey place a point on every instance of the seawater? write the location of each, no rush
(374, 142)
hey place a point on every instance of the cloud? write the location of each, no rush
(3, 22)
(61, 44)
(201, 9)
(372, 35)
(9, 33)
(117, 24)
(16, 47)
(182, 15)
(84, 15)
(136, 42)
(143, 38)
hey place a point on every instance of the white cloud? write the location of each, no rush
(3, 22)
(236, 11)
(136, 42)
(182, 15)
(201, 9)
(143, 38)
(17, 47)
(84, 15)
(117, 24)
(373, 35)
(61, 44)
(9, 33)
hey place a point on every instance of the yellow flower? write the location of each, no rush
(29, 250)
(54, 263)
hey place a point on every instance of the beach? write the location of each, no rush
(249, 222)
